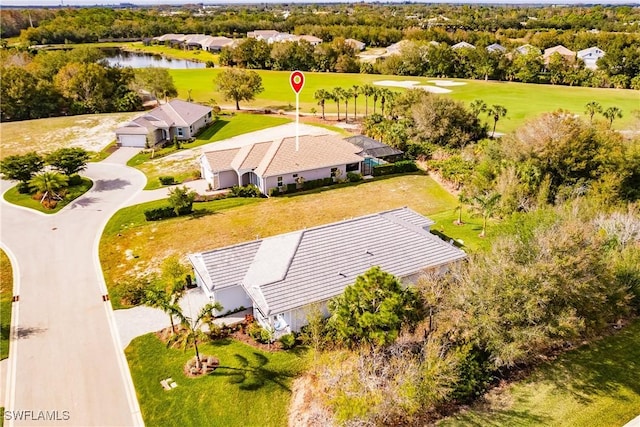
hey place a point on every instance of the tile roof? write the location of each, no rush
(559, 49)
(221, 160)
(174, 113)
(316, 264)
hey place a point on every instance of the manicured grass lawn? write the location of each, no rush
(224, 128)
(6, 292)
(151, 242)
(597, 385)
(13, 196)
(250, 388)
(523, 101)
(467, 234)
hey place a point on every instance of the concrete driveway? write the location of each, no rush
(65, 357)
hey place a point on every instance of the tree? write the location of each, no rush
(355, 91)
(495, 112)
(192, 333)
(49, 183)
(21, 167)
(181, 200)
(462, 199)
(88, 85)
(367, 90)
(239, 85)
(321, 96)
(611, 114)
(592, 108)
(348, 93)
(69, 160)
(170, 289)
(385, 94)
(485, 205)
(337, 94)
(158, 81)
(478, 106)
(374, 309)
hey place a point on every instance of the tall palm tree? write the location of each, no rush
(376, 95)
(592, 108)
(485, 205)
(478, 106)
(495, 112)
(192, 333)
(611, 114)
(355, 91)
(49, 184)
(384, 95)
(337, 94)
(348, 93)
(367, 90)
(321, 96)
(165, 301)
(462, 199)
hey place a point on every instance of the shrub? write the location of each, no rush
(354, 177)
(291, 188)
(165, 212)
(166, 180)
(393, 168)
(327, 181)
(275, 191)
(75, 180)
(247, 191)
(288, 341)
(133, 293)
(210, 64)
(258, 333)
(23, 188)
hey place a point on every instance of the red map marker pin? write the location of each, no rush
(297, 81)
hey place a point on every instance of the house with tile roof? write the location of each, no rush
(356, 44)
(527, 48)
(175, 118)
(463, 45)
(496, 47)
(282, 276)
(590, 56)
(275, 164)
(567, 54)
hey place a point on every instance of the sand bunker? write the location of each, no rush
(413, 84)
(395, 83)
(433, 89)
(446, 83)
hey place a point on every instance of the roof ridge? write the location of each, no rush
(241, 156)
(269, 156)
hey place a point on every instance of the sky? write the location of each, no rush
(32, 3)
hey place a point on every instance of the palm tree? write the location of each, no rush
(348, 93)
(592, 108)
(384, 95)
(49, 183)
(611, 114)
(485, 205)
(376, 94)
(355, 91)
(192, 333)
(462, 199)
(495, 112)
(478, 106)
(337, 94)
(367, 91)
(321, 96)
(165, 301)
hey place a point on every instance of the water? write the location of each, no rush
(144, 60)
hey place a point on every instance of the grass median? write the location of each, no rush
(6, 293)
(26, 200)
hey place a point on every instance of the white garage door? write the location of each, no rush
(132, 140)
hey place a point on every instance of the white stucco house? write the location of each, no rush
(463, 45)
(175, 118)
(590, 56)
(496, 48)
(279, 163)
(283, 276)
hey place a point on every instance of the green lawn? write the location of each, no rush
(6, 293)
(13, 196)
(597, 385)
(250, 388)
(523, 101)
(465, 235)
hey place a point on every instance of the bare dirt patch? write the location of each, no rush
(305, 409)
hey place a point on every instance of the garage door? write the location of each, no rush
(132, 140)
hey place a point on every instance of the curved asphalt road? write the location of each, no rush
(65, 353)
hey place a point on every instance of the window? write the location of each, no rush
(333, 172)
(295, 175)
(279, 181)
(179, 132)
(352, 167)
(190, 129)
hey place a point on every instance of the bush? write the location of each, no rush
(393, 168)
(165, 212)
(327, 181)
(247, 191)
(23, 188)
(133, 293)
(75, 179)
(354, 177)
(258, 333)
(288, 341)
(291, 188)
(275, 191)
(166, 180)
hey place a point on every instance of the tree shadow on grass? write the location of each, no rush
(212, 130)
(199, 213)
(502, 417)
(253, 373)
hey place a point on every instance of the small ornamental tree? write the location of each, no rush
(69, 161)
(181, 200)
(49, 184)
(21, 167)
(374, 309)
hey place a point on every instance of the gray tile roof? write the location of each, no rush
(316, 264)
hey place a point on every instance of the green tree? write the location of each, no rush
(367, 90)
(478, 106)
(49, 184)
(169, 289)
(88, 85)
(239, 85)
(337, 95)
(462, 200)
(181, 200)
(348, 93)
(374, 309)
(69, 161)
(322, 96)
(355, 92)
(592, 108)
(157, 81)
(21, 167)
(496, 112)
(611, 114)
(485, 205)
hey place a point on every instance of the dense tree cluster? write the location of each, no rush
(63, 82)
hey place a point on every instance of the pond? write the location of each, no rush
(143, 60)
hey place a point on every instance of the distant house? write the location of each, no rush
(463, 45)
(526, 48)
(496, 47)
(590, 56)
(312, 40)
(175, 118)
(277, 163)
(271, 36)
(282, 276)
(395, 48)
(569, 55)
(356, 44)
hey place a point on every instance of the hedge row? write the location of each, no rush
(165, 212)
(393, 168)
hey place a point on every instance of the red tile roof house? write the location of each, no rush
(282, 277)
(275, 164)
(175, 118)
